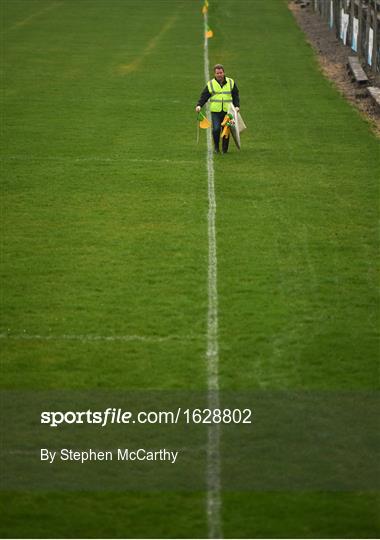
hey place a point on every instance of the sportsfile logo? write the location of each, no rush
(109, 416)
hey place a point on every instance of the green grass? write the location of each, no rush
(104, 233)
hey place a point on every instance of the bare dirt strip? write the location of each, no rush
(333, 57)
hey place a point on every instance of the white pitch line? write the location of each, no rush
(213, 446)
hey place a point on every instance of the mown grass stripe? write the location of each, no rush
(74, 159)
(28, 20)
(92, 337)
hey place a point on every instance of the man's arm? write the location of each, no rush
(205, 96)
(235, 96)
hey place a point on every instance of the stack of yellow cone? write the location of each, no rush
(227, 123)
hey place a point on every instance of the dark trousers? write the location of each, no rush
(217, 119)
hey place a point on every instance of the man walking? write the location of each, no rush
(221, 91)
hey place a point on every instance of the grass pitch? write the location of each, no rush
(104, 233)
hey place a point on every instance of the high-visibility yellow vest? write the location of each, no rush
(221, 96)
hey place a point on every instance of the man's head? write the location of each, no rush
(219, 72)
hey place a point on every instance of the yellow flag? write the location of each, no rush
(204, 124)
(206, 3)
(209, 33)
(204, 9)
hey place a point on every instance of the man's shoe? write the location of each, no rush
(216, 151)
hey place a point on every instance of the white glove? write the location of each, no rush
(197, 108)
(237, 109)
